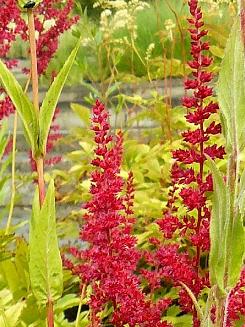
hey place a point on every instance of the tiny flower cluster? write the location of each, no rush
(110, 260)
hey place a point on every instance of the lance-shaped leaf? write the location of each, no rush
(235, 250)
(3, 139)
(219, 219)
(226, 235)
(51, 99)
(22, 104)
(231, 89)
(45, 262)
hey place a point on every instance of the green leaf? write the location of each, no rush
(10, 316)
(45, 262)
(82, 112)
(236, 246)
(226, 234)
(51, 98)
(22, 104)
(231, 89)
(219, 219)
(241, 197)
(3, 139)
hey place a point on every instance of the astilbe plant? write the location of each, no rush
(188, 223)
(110, 259)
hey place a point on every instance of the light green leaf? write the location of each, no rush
(10, 316)
(22, 104)
(3, 139)
(51, 98)
(45, 262)
(241, 197)
(82, 112)
(226, 234)
(236, 248)
(231, 89)
(219, 218)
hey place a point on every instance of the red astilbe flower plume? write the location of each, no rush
(189, 182)
(109, 262)
(62, 20)
(11, 26)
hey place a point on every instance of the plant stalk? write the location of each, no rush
(80, 304)
(39, 160)
(33, 52)
(34, 76)
(41, 183)
(220, 309)
(50, 313)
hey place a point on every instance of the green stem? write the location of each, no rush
(194, 300)
(220, 309)
(80, 304)
(13, 188)
(182, 38)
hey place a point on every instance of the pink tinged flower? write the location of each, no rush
(187, 156)
(193, 199)
(195, 137)
(182, 175)
(213, 129)
(168, 225)
(214, 151)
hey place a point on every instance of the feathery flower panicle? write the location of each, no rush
(62, 20)
(110, 260)
(189, 182)
(11, 26)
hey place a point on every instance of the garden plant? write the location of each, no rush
(155, 234)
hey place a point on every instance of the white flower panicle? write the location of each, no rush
(124, 16)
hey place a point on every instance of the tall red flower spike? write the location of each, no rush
(178, 263)
(111, 257)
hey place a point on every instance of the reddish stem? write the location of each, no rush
(41, 183)
(33, 52)
(50, 313)
(39, 160)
